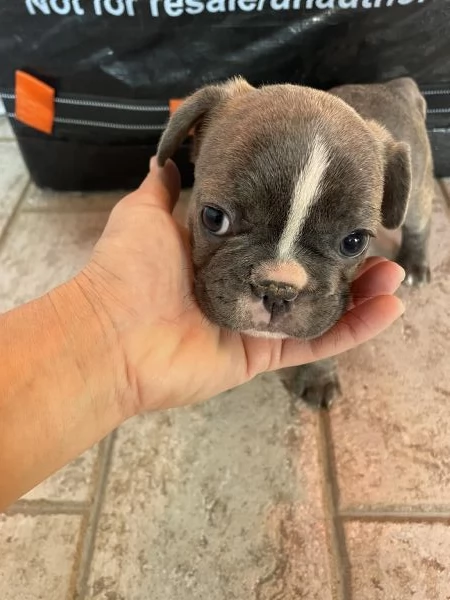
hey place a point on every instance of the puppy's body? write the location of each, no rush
(401, 109)
(290, 182)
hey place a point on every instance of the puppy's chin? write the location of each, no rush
(281, 335)
(287, 328)
(237, 311)
(266, 334)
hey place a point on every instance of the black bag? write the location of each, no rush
(116, 64)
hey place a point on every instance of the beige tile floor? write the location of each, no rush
(250, 496)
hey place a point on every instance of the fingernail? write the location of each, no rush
(401, 270)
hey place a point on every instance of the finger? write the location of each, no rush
(360, 324)
(356, 327)
(369, 263)
(381, 279)
(161, 187)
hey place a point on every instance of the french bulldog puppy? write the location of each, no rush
(291, 184)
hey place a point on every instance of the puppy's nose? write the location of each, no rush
(277, 296)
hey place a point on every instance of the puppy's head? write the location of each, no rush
(290, 184)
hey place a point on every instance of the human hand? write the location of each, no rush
(140, 282)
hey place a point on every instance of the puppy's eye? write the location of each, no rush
(354, 244)
(215, 220)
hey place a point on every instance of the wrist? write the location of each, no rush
(92, 345)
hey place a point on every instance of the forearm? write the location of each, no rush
(59, 375)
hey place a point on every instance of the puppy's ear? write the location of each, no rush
(397, 184)
(193, 113)
(397, 178)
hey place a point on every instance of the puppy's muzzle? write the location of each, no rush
(277, 297)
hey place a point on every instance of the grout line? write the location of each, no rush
(46, 507)
(81, 569)
(76, 202)
(14, 213)
(445, 190)
(7, 139)
(65, 209)
(396, 515)
(68, 206)
(341, 565)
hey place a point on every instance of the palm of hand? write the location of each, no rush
(142, 275)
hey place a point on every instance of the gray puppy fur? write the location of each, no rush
(290, 184)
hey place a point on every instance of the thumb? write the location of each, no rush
(161, 187)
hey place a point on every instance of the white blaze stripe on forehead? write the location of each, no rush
(306, 192)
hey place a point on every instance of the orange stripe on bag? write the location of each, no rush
(35, 102)
(174, 104)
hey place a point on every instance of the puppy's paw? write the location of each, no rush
(317, 392)
(417, 274)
